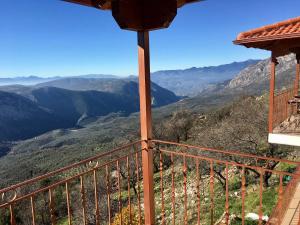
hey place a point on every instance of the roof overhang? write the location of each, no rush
(281, 38)
(106, 4)
(139, 15)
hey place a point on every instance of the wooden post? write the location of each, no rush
(272, 92)
(296, 91)
(146, 125)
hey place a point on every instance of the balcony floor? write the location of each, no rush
(291, 139)
(287, 133)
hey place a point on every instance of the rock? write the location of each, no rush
(260, 72)
(254, 216)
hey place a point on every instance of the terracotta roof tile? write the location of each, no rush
(289, 28)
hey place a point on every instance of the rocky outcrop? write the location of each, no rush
(258, 74)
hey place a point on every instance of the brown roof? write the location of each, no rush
(285, 34)
(285, 29)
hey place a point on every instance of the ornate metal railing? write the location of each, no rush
(89, 192)
(192, 185)
(209, 186)
(282, 109)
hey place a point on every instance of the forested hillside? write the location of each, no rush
(22, 118)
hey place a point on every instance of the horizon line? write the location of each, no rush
(123, 76)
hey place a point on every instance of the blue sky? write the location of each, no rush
(54, 38)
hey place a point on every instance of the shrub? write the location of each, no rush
(125, 215)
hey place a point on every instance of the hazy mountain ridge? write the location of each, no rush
(255, 79)
(183, 82)
(111, 85)
(26, 80)
(259, 74)
(33, 80)
(192, 81)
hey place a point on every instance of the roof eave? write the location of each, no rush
(264, 39)
(186, 2)
(180, 3)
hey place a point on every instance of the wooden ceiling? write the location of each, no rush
(107, 4)
(139, 15)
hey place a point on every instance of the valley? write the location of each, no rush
(27, 111)
(66, 102)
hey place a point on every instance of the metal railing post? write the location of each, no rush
(146, 125)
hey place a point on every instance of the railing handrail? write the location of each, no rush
(66, 180)
(228, 152)
(50, 174)
(233, 163)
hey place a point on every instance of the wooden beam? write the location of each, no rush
(272, 92)
(146, 125)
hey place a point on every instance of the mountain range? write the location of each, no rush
(191, 82)
(255, 79)
(183, 82)
(33, 80)
(33, 105)
(27, 111)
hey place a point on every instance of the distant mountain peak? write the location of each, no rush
(192, 81)
(255, 79)
(259, 73)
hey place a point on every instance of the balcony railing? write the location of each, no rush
(282, 109)
(192, 185)
(282, 206)
(88, 192)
